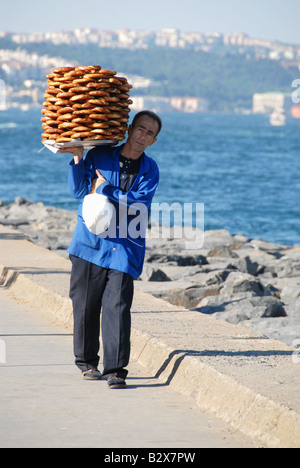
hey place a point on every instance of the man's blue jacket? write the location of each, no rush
(119, 249)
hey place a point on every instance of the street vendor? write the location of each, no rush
(104, 266)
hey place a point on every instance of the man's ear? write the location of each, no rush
(129, 130)
(154, 141)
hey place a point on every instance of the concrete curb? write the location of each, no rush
(272, 423)
(256, 416)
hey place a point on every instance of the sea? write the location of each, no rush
(245, 172)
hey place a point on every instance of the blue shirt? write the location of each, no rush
(123, 247)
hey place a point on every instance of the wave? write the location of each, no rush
(8, 125)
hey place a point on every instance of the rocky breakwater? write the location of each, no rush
(244, 281)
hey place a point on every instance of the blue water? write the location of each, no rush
(244, 171)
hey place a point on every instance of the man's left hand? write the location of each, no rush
(97, 182)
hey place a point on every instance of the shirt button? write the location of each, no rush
(114, 249)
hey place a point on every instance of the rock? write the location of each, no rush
(245, 265)
(190, 297)
(154, 274)
(222, 251)
(242, 283)
(275, 310)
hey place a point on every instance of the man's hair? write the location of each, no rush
(149, 114)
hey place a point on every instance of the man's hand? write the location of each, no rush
(77, 152)
(97, 182)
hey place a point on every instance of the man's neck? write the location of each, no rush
(129, 153)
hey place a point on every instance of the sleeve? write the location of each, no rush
(80, 177)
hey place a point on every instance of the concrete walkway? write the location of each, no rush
(246, 380)
(44, 402)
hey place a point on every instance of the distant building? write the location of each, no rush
(264, 103)
(191, 105)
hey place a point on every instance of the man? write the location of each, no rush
(104, 267)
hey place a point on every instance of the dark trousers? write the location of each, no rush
(94, 288)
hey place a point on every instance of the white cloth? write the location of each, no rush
(97, 213)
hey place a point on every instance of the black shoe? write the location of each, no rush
(91, 374)
(116, 382)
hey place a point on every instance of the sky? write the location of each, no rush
(264, 19)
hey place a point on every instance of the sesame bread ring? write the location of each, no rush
(50, 76)
(114, 123)
(123, 96)
(81, 81)
(50, 106)
(81, 113)
(98, 93)
(95, 137)
(79, 89)
(108, 72)
(80, 97)
(115, 81)
(101, 110)
(62, 103)
(95, 85)
(98, 102)
(52, 90)
(52, 123)
(82, 121)
(82, 105)
(52, 115)
(66, 95)
(67, 134)
(113, 108)
(125, 88)
(51, 99)
(102, 131)
(81, 135)
(64, 110)
(66, 86)
(100, 125)
(61, 79)
(74, 74)
(52, 131)
(62, 139)
(53, 84)
(89, 68)
(49, 136)
(113, 99)
(99, 117)
(64, 117)
(126, 103)
(101, 85)
(67, 125)
(93, 76)
(113, 116)
(81, 129)
(114, 91)
(63, 70)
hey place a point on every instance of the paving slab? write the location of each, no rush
(46, 404)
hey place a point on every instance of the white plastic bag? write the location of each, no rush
(97, 213)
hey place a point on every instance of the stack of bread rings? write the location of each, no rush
(85, 103)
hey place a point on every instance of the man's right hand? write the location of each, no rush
(77, 152)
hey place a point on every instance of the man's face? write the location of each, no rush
(143, 134)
